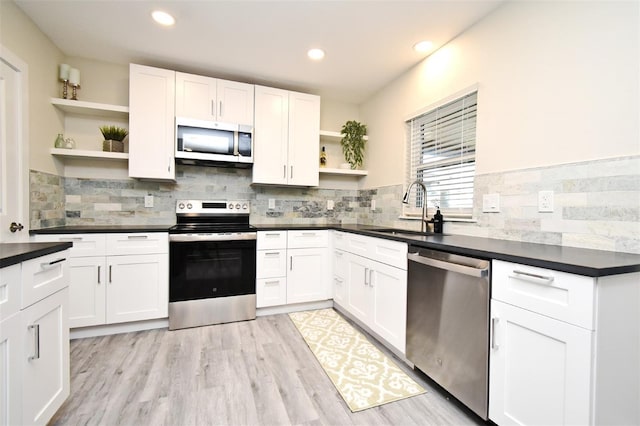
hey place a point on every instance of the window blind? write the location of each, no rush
(442, 155)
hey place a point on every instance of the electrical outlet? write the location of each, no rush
(330, 204)
(272, 204)
(148, 200)
(373, 204)
(491, 203)
(545, 201)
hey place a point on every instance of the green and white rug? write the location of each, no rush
(364, 376)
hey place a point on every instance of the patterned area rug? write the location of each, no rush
(364, 376)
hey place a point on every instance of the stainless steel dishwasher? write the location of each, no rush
(448, 323)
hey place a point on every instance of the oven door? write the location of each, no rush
(211, 269)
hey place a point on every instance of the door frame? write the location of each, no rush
(22, 149)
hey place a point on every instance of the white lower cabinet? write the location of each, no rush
(370, 284)
(540, 369)
(34, 340)
(564, 348)
(117, 278)
(292, 267)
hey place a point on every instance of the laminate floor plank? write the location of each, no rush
(257, 372)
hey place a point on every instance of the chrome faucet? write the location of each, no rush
(405, 200)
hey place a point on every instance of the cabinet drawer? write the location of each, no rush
(44, 276)
(307, 239)
(271, 292)
(137, 243)
(271, 263)
(560, 295)
(339, 264)
(272, 240)
(83, 244)
(339, 239)
(10, 280)
(393, 253)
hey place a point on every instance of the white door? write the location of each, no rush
(389, 314)
(11, 337)
(358, 291)
(137, 287)
(235, 102)
(306, 275)
(270, 136)
(304, 139)
(87, 291)
(45, 385)
(540, 369)
(196, 97)
(14, 177)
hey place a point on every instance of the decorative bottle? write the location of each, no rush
(323, 158)
(59, 143)
(437, 222)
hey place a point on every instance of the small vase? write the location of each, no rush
(59, 143)
(110, 145)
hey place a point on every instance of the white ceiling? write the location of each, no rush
(367, 43)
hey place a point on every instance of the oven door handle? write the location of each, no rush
(212, 237)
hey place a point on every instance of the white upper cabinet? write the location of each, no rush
(211, 99)
(286, 137)
(151, 123)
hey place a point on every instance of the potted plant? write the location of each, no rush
(113, 138)
(353, 142)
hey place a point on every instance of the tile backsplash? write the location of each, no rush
(596, 203)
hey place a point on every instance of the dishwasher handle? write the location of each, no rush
(448, 266)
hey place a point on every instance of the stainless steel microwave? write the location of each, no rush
(213, 143)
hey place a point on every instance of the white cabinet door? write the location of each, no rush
(540, 369)
(307, 276)
(271, 135)
(45, 372)
(389, 310)
(87, 291)
(235, 102)
(11, 360)
(271, 263)
(304, 139)
(358, 294)
(151, 123)
(271, 292)
(196, 97)
(10, 285)
(137, 287)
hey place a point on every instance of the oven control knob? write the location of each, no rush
(181, 206)
(189, 205)
(244, 207)
(230, 205)
(238, 206)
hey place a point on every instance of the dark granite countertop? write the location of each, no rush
(12, 253)
(100, 229)
(588, 262)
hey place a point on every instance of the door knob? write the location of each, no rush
(15, 227)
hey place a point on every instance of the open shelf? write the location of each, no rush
(90, 108)
(89, 155)
(350, 172)
(334, 135)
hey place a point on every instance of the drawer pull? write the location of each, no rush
(338, 280)
(36, 342)
(366, 271)
(272, 253)
(272, 234)
(272, 282)
(137, 237)
(546, 279)
(49, 264)
(308, 234)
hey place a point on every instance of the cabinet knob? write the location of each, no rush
(15, 227)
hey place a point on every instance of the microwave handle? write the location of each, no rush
(236, 144)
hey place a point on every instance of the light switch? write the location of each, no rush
(373, 204)
(272, 204)
(148, 200)
(491, 203)
(330, 204)
(545, 201)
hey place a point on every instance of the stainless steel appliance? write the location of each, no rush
(212, 264)
(448, 323)
(212, 143)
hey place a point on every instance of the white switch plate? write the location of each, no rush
(148, 200)
(330, 204)
(545, 201)
(491, 203)
(373, 204)
(272, 203)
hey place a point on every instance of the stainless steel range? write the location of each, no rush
(212, 264)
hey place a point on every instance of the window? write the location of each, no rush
(442, 155)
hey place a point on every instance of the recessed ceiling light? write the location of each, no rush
(163, 18)
(315, 54)
(423, 46)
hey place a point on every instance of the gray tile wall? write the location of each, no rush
(597, 203)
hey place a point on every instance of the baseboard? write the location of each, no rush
(295, 307)
(126, 327)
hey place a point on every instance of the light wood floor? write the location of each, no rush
(245, 373)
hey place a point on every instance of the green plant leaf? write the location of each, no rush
(353, 142)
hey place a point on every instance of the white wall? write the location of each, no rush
(558, 83)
